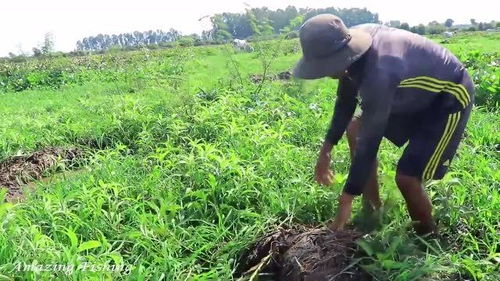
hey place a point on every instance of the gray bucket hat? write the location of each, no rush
(328, 47)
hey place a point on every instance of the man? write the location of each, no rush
(411, 90)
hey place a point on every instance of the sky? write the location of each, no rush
(23, 23)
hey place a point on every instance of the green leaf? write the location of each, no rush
(5, 278)
(89, 245)
(117, 258)
(390, 264)
(366, 247)
(72, 237)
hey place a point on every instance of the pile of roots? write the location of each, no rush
(303, 254)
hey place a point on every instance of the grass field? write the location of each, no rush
(190, 162)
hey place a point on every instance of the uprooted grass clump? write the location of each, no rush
(303, 254)
(19, 170)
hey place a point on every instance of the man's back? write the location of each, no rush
(424, 69)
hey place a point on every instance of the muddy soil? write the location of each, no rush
(21, 170)
(303, 254)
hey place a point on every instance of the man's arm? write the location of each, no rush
(344, 109)
(345, 105)
(377, 95)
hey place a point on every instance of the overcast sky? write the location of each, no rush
(23, 23)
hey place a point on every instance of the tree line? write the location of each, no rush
(123, 40)
(259, 23)
(253, 23)
(435, 27)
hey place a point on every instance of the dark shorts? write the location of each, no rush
(432, 137)
(432, 144)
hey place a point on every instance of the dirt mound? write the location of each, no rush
(304, 254)
(285, 75)
(20, 170)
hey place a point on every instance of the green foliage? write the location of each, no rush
(479, 53)
(259, 22)
(132, 40)
(486, 76)
(420, 29)
(405, 26)
(295, 24)
(435, 28)
(54, 73)
(48, 44)
(262, 22)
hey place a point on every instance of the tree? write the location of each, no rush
(355, 16)
(281, 18)
(473, 21)
(259, 21)
(48, 44)
(294, 24)
(220, 30)
(405, 26)
(435, 27)
(206, 35)
(487, 25)
(421, 29)
(449, 23)
(394, 23)
(189, 40)
(37, 52)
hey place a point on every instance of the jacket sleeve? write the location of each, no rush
(377, 92)
(345, 105)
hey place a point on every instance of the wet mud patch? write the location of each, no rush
(303, 254)
(21, 170)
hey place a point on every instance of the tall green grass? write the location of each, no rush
(191, 165)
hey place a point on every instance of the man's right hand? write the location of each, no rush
(323, 173)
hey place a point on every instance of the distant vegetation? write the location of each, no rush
(260, 23)
(55, 72)
(254, 23)
(135, 39)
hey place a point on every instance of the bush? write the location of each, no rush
(485, 72)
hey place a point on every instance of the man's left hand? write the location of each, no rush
(344, 211)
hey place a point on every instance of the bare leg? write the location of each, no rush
(418, 203)
(371, 197)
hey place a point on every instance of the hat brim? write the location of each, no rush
(318, 68)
